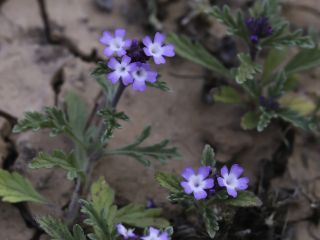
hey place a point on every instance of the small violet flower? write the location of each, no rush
(157, 49)
(115, 44)
(122, 70)
(136, 52)
(126, 233)
(232, 181)
(269, 103)
(141, 74)
(155, 234)
(197, 183)
(259, 28)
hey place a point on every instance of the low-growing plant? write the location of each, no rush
(208, 194)
(266, 78)
(128, 64)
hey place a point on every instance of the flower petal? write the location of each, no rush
(113, 77)
(127, 43)
(153, 231)
(221, 182)
(224, 171)
(125, 60)
(186, 187)
(139, 86)
(232, 192)
(127, 79)
(121, 230)
(236, 170)
(159, 60)
(147, 51)
(201, 194)
(187, 173)
(159, 38)
(147, 41)
(106, 38)
(243, 183)
(121, 52)
(152, 76)
(163, 236)
(113, 63)
(204, 171)
(208, 183)
(168, 50)
(108, 52)
(120, 32)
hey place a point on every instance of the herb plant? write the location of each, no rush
(127, 64)
(266, 78)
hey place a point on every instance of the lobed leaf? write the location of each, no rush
(159, 151)
(244, 199)
(305, 59)
(15, 188)
(227, 94)
(247, 69)
(208, 156)
(169, 181)
(211, 222)
(250, 120)
(197, 54)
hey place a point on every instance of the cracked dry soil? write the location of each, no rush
(48, 48)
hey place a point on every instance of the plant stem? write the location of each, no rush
(82, 187)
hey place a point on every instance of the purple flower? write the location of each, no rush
(259, 28)
(232, 181)
(157, 49)
(115, 44)
(122, 70)
(197, 183)
(155, 234)
(126, 233)
(141, 74)
(269, 103)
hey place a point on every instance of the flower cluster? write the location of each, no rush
(153, 233)
(201, 183)
(259, 28)
(128, 58)
(269, 103)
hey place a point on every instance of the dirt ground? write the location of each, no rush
(31, 68)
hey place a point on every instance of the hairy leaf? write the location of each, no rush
(57, 159)
(138, 216)
(247, 69)
(250, 120)
(158, 151)
(169, 181)
(211, 222)
(295, 118)
(161, 85)
(306, 59)
(298, 103)
(227, 94)
(31, 121)
(198, 54)
(111, 119)
(57, 230)
(274, 59)
(15, 188)
(236, 25)
(264, 120)
(208, 156)
(244, 199)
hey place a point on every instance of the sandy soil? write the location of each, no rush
(30, 66)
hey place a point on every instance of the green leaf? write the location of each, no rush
(111, 119)
(306, 59)
(57, 159)
(100, 211)
(297, 103)
(208, 156)
(236, 25)
(31, 121)
(57, 230)
(294, 118)
(264, 120)
(250, 120)
(247, 69)
(15, 188)
(244, 199)
(197, 54)
(161, 85)
(158, 151)
(227, 94)
(169, 181)
(211, 222)
(274, 59)
(138, 216)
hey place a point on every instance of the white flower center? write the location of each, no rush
(231, 181)
(196, 183)
(116, 44)
(140, 74)
(156, 49)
